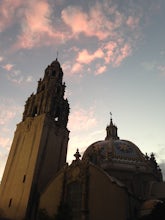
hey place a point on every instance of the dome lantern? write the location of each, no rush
(111, 131)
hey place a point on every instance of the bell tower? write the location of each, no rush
(39, 146)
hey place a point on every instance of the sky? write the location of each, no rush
(112, 53)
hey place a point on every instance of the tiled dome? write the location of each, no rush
(113, 149)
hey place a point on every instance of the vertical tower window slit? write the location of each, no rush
(10, 202)
(24, 178)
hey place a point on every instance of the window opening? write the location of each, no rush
(10, 202)
(74, 199)
(56, 119)
(35, 111)
(24, 178)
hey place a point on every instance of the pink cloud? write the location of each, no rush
(77, 68)
(75, 18)
(73, 68)
(5, 142)
(7, 115)
(8, 66)
(85, 57)
(132, 22)
(1, 59)
(36, 22)
(100, 70)
(82, 119)
(93, 23)
(81, 22)
(110, 49)
(37, 27)
(124, 52)
(102, 21)
(9, 110)
(9, 12)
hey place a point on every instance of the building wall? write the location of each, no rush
(102, 197)
(54, 142)
(107, 200)
(38, 151)
(51, 197)
(18, 175)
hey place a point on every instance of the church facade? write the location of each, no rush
(113, 180)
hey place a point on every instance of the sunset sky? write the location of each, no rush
(113, 57)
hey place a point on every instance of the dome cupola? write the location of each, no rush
(111, 131)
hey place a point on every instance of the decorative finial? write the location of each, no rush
(77, 155)
(57, 55)
(110, 117)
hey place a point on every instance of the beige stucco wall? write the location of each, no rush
(51, 197)
(107, 200)
(38, 151)
(21, 161)
(55, 139)
(104, 199)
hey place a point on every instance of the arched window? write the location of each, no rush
(74, 199)
(34, 111)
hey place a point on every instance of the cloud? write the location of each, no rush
(94, 23)
(77, 68)
(8, 66)
(161, 69)
(115, 32)
(17, 77)
(9, 110)
(81, 119)
(29, 79)
(82, 141)
(75, 19)
(9, 13)
(123, 52)
(5, 142)
(1, 58)
(153, 66)
(100, 70)
(111, 31)
(37, 27)
(35, 24)
(71, 68)
(85, 57)
(110, 49)
(133, 22)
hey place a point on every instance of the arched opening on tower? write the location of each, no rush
(34, 111)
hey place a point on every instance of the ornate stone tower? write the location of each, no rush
(39, 146)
